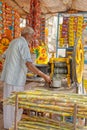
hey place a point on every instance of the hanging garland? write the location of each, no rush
(34, 19)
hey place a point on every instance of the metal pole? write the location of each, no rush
(57, 36)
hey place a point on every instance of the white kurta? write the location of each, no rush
(14, 74)
(14, 70)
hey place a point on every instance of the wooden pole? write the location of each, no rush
(16, 111)
(86, 122)
(75, 116)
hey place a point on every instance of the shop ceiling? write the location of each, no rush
(48, 6)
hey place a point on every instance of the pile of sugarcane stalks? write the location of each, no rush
(63, 104)
(41, 123)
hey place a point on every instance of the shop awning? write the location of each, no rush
(48, 6)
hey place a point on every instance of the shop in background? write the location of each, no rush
(9, 26)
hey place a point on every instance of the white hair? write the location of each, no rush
(28, 30)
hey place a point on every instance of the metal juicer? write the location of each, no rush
(60, 69)
(69, 67)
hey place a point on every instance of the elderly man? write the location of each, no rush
(17, 61)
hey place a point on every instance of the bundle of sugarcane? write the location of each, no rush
(52, 102)
(42, 124)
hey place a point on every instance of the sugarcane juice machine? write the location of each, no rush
(69, 67)
(60, 68)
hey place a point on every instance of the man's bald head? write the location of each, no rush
(27, 30)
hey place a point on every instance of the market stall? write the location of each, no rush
(59, 98)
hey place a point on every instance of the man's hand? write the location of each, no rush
(47, 79)
(38, 72)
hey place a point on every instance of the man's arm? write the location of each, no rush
(38, 72)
